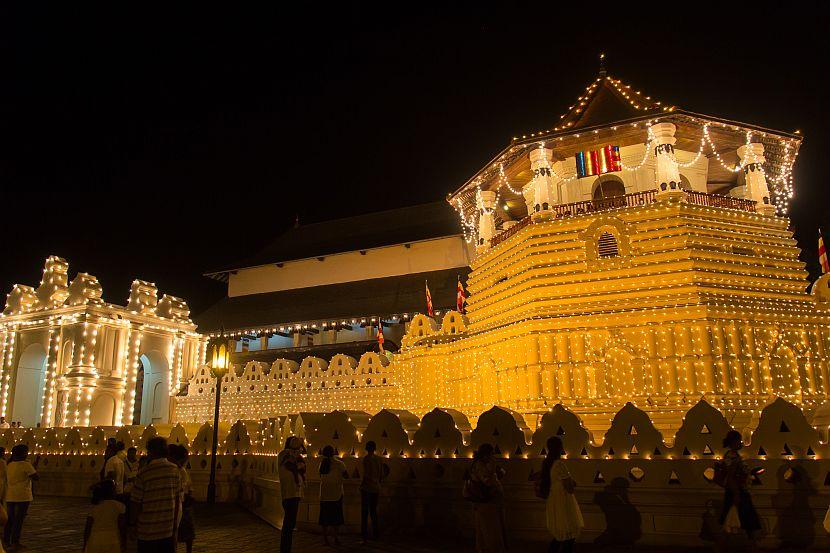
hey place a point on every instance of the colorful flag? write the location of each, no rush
(598, 162)
(430, 311)
(380, 336)
(460, 297)
(822, 255)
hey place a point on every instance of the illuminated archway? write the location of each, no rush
(155, 389)
(28, 387)
(102, 412)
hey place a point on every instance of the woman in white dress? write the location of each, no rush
(564, 519)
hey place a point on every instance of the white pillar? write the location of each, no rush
(666, 173)
(541, 160)
(486, 200)
(756, 188)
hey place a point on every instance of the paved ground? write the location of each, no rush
(55, 525)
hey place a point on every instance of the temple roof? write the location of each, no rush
(608, 100)
(334, 302)
(360, 232)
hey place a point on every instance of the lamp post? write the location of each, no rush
(220, 362)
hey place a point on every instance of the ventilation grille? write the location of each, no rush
(607, 245)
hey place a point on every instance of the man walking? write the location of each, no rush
(115, 470)
(155, 501)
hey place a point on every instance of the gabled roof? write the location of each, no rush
(608, 100)
(361, 232)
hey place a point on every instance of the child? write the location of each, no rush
(105, 530)
(187, 528)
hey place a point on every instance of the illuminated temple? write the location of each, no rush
(634, 252)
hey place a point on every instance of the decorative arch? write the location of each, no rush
(155, 398)
(607, 186)
(29, 380)
(617, 228)
(102, 412)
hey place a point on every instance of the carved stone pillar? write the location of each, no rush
(666, 173)
(486, 200)
(752, 160)
(541, 160)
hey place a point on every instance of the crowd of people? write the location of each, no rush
(13, 424)
(483, 489)
(149, 499)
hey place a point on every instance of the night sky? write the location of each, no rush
(160, 144)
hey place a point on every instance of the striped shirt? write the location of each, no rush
(158, 489)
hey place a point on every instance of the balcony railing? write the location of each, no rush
(629, 200)
(504, 235)
(716, 200)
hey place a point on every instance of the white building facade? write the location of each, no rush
(68, 358)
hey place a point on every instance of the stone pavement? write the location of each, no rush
(55, 525)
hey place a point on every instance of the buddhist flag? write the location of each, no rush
(822, 255)
(460, 297)
(380, 336)
(598, 162)
(430, 311)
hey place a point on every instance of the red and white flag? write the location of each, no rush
(380, 336)
(822, 255)
(430, 310)
(460, 297)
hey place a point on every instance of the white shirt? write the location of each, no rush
(331, 483)
(105, 535)
(115, 464)
(290, 486)
(20, 483)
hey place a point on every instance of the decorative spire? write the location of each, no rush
(602, 72)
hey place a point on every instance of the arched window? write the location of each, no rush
(607, 245)
(608, 186)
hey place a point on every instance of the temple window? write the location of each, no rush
(608, 186)
(607, 245)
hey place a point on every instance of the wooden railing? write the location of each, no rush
(716, 200)
(589, 206)
(504, 235)
(629, 200)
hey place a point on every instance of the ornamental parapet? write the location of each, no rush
(637, 199)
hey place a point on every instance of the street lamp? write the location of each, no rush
(220, 361)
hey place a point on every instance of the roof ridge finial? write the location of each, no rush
(602, 71)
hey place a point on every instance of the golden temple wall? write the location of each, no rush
(699, 302)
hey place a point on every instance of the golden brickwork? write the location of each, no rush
(692, 301)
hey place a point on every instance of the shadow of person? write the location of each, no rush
(796, 521)
(623, 522)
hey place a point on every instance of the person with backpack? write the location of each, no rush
(556, 487)
(732, 474)
(483, 487)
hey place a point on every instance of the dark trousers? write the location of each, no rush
(561, 546)
(289, 521)
(369, 508)
(166, 545)
(17, 512)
